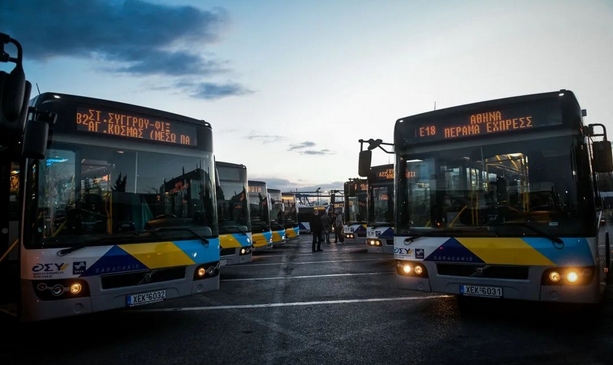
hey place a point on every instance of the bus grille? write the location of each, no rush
(142, 277)
(484, 271)
(227, 251)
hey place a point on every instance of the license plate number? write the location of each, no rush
(145, 298)
(223, 262)
(481, 291)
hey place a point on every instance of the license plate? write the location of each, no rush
(145, 298)
(223, 262)
(481, 291)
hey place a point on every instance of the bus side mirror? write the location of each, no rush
(603, 156)
(364, 163)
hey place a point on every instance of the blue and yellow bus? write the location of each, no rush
(500, 199)
(233, 214)
(380, 229)
(290, 216)
(118, 212)
(356, 210)
(260, 215)
(276, 217)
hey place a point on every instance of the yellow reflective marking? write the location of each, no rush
(504, 251)
(259, 240)
(228, 241)
(290, 233)
(276, 237)
(158, 255)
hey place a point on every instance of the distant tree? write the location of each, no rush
(120, 184)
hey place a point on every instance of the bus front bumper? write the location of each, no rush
(511, 289)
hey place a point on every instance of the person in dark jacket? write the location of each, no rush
(316, 230)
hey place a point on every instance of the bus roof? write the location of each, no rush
(465, 108)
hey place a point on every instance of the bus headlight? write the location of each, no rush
(572, 276)
(410, 268)
(554, 276)
(568, 276)
(75, 288)
(206, 271)
(60, 289)
(201, 271)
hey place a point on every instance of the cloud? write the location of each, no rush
(129, 37)
(298, 146)
(265, 138)
(210, 91)
(317, 152)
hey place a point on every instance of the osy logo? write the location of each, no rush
(49, 267)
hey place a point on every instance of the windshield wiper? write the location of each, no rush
(532, 228)
(236, 228)
(204, 240)
(101, 240)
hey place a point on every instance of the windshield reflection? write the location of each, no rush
(93, 194)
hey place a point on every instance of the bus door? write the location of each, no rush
(9, 234)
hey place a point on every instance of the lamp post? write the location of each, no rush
(317, 191)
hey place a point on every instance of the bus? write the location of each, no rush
(290, 216)
(106, 220)
(260, 215)
(233, 214)
(380, 229)
(499, 199)
(356, 212)
(276, 217)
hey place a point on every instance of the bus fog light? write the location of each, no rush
(211, 270)
(75, 288)
(406, 268)
(201, 272)
(554, 276)
(419, 270)
(586, 272)
(572, 277)
(243, 251)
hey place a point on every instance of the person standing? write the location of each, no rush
(316, 230)
(326, 223)
(339, 234)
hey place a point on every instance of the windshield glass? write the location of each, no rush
(488, 189)
(289, 212)
(232, 206)
(381, 207)
(356, 208)
(258, 207)
(89, 194)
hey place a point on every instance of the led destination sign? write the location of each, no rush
(501, 120)
(136, 126)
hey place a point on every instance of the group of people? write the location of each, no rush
(321, 225)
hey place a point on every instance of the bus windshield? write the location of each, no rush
(88, 194)
(523, 188)
(382, 197)
(233, 209)
(357, 209)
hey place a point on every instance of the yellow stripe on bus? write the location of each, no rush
(158, 255)
(228, 241)
(259, 240)
(504, 251)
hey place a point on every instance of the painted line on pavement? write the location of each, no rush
(310, 276)
(293, 304)
(307, 262)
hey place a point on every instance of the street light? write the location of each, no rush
(317, 191)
